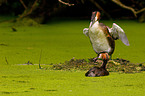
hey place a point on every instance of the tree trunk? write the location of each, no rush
(142, 17)
(40, 11)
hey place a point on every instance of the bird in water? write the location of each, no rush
(102, 37)
(99, 71)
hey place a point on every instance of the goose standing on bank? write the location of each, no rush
(102, 37)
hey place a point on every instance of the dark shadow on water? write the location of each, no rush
(5, 92)
(51, 90)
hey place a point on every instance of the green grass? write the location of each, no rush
(61, 41)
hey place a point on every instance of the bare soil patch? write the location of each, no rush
(115, 65)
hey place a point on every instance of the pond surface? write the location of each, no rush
(61, 41)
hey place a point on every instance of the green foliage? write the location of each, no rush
(26, 22)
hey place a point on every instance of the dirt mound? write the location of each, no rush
(115, 65)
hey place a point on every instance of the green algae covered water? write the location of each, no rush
(61, 41)
(29, 80)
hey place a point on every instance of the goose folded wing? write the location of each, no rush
(86, 31)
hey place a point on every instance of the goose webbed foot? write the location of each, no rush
(95, 59)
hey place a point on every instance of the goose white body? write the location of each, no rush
(98, 39)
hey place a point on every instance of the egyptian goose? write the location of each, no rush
(102, 37)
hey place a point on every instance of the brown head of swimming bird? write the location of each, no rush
(102, 37)
(99, 71)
